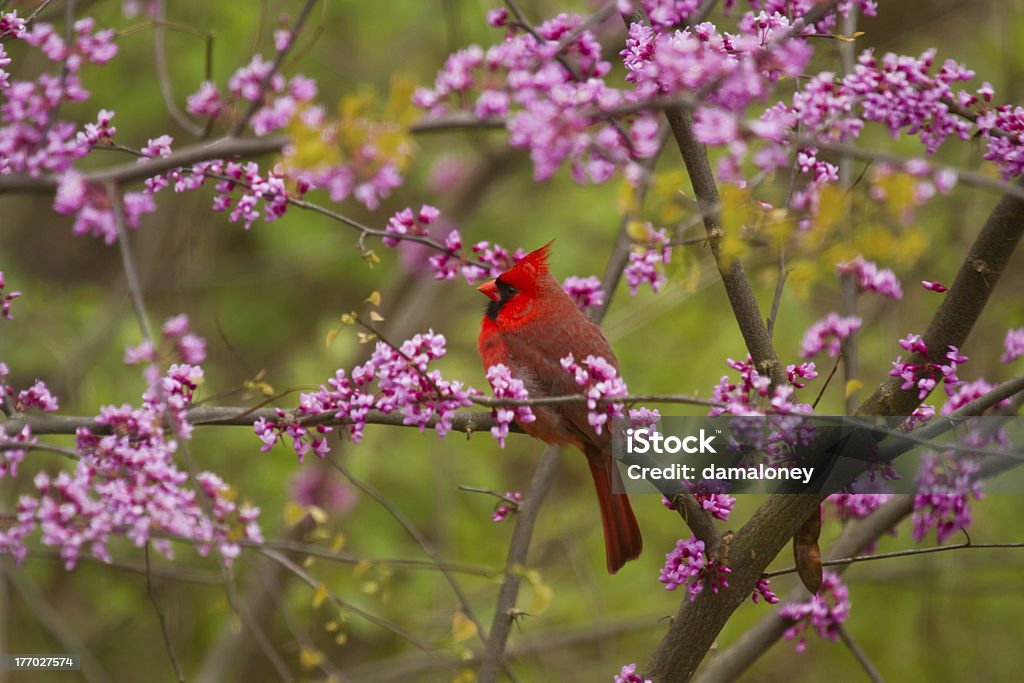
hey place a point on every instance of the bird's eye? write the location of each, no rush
(506, 290)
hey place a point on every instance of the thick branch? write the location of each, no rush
(963, 304)
(757, 543)
(699, 622)
(133, 171)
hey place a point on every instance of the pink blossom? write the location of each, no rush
(1013, 344)
(206, 101)
(628, 674)
(647, 261)
(37, 396)
(934, 286)
(828, 334)
(687, 565)
(5, 300)
(825, 612)
(600, 380)
(504, 508)
(872, 279)
(585, 292)
(506, 386)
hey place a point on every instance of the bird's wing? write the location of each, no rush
(535, 355)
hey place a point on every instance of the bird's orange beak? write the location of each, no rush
(489, 289)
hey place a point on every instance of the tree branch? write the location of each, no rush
(505, 612)
(962, 305)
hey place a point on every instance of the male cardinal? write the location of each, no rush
(529, 326)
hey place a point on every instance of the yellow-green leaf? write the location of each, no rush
(310, 658)
(376, 317)
(637, 231)
(317, 513)
(853, 386)
(463, 628)
(374, 298)
(338, 542)
(319, 595)
(293, 513)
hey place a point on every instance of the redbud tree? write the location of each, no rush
(242, 411)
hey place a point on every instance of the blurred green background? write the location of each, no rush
(266, 299)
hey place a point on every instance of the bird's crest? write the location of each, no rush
(536, 260)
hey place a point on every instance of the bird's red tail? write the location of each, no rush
(622, 541)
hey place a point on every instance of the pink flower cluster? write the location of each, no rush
(553, 108)
(926, 376)
(406, 223)
(718, 505)
(32, 141)
(751, 393)
(6, 299)
(647, 261)
(763, 591)
(628, 674)
(585, 292)
(687, 565)
(1013, 344)
(126, 483)
(91, 205)
(401, 381)
(11, 457)
(665, 14)
(671, 62)
(857, 505)
(280, 99)
(825, 612)
(260, 194)
(872, 279)
(946, 484)
(828, 334)
(506, 386)
(601, 381)
(488, 260)
(367, 175)
(36, 396)
(504, 508)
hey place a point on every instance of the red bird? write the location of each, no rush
(529, 326)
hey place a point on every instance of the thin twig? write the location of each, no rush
(163, 76)
(130, 275)
(243, 121)
(869, 668)
(910, 552)
(349, 607)
(418, 537)
(828, 380)
(263, 643)
(848, 281)
(160, 616)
